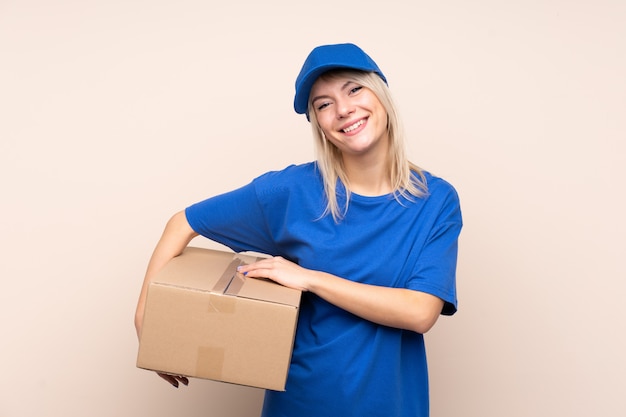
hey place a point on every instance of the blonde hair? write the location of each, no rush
(407, 179)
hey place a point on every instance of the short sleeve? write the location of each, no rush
(234, 219)
(435, 269)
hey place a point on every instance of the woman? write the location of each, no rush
(369, 238)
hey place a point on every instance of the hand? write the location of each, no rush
(280, 270)
(174, 379)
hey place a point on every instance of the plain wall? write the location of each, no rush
(115, 114)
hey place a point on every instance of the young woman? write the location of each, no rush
(368, 236)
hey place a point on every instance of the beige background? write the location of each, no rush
(114, 114)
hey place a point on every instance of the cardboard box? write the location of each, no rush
(204, 319)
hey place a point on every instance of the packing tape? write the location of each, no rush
(219, 303)
(227, 276)
(235, 284)
(229, 283)
(210, 362)
(247, 259)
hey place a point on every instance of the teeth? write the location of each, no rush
(354, 126)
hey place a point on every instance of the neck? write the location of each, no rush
(368, 176)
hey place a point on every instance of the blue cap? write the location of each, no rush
(327, 57)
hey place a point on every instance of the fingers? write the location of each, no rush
(174, 379)
(264, 266)
(279, 270)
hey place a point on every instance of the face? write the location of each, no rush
(350, 115)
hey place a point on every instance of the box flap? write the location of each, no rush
(195, 269)
(215, 271)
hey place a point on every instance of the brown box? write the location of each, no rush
(204, 319)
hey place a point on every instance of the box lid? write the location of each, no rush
(195, 270)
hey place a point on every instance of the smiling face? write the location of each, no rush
(350, 115)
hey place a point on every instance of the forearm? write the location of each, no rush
(175, 238)
(394, 307)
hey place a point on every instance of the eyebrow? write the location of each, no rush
(343, 87)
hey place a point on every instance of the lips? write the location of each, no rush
(353, 126)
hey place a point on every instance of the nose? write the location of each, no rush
(344, 109)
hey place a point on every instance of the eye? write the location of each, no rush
(356, 89)
(322, 106)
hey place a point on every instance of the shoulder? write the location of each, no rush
(439, 188)
(442, 198)
(290, 173)
(289, 179)
(292, 191)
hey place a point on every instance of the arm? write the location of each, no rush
(395, 307)
(175, 238)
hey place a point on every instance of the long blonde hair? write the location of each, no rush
(407, 179)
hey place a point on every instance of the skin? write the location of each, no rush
(339, 104)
